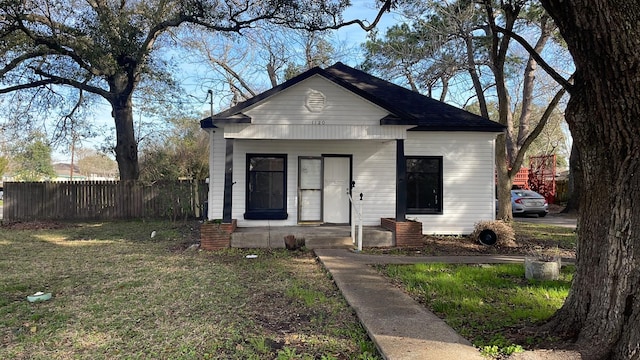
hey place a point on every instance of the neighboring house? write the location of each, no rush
(290, 156)
(63, 172)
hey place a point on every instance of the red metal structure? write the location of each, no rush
(542, 176)
(521, 180)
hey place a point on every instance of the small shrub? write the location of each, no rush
(503, 230)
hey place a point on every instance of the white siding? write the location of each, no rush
(468, 184)
(342, 107)
(373, 171)
(315, 132)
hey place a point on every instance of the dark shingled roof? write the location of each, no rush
(406, 107)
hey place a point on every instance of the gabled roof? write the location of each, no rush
(405, 107)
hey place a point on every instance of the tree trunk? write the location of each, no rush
(477, 84)
(504, 142)
(602, 311)
(126, 148)
(504, 182)
(575, 182)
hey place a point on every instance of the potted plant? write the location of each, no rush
(540, 266)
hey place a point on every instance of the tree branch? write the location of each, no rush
(31, 85)
(386, 7)
(74, 83)
(234, 75)
(566, 84)
(20, 59)
(515, 167)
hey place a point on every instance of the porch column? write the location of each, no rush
(401, 182)
(228, 181)
(210, 182)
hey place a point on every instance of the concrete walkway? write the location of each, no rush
(401, 328)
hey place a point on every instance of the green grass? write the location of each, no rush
(546, 235)
(481, 302)
(119, 294)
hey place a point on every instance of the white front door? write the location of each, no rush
(336, 187)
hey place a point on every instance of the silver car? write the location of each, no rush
(528, 202)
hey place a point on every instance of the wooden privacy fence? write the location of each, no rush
(104, 200)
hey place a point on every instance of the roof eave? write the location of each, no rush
(396, 120)
(366, 95)
(493, 129)
(213, 122)
(207, 123)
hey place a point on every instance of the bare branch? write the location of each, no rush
(77, 105)
(386, 7)
(566, 84)
(537, 130)
(235, 75)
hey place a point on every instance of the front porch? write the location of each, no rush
(316, 237)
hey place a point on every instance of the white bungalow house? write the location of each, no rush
(293, 154)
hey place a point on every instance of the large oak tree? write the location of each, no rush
(107, 47)
(602, 311)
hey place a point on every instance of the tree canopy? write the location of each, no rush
(180, 152)
(33, 161)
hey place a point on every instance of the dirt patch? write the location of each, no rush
(464, 245)
(37, 225)
(526, 243)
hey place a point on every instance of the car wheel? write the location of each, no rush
(542, 214)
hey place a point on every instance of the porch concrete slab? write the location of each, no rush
(401, 328)
(316, 236)
(320, 242)
(255, 239)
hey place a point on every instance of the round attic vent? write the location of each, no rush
(315, 101)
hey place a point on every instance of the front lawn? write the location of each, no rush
(120, 293)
